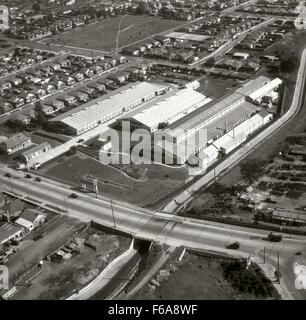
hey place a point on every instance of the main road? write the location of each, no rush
(163, 228)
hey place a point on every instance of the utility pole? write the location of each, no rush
(113, 214)
(264, 255)
(11, 184)
(65, 199)
(277, 270)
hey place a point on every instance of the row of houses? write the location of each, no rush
(22, 143)
(94, 90)
(22, 58)
(263, 38)
(46, 79)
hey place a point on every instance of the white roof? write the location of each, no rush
(253, 85)
(202, 118)
(24, 223)
(240, 54)
(188, 36)
(90, 113)
(172, 108)
(210, 152)
(270, 86)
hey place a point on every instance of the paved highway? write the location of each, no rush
(172, 230)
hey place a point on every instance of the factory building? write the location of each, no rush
(233, 138)
(169, 108)
(93, 113)
(228, 122)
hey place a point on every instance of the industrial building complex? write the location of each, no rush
(182, 114)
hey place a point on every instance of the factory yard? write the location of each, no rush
(102, 35)
(159, 180)
(196, 277)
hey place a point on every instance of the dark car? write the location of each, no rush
(274, 237)
(234, 245)
(73, 196)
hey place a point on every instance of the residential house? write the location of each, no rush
(81, 96)
(9, 232)
(87, 90)
(58, 105)
(47, 109)
(2, 199)
(250, 67)
(39, 92)
(5, 106)
(79, 76)
(69, 100)
(22, 118)
(88, 72)
(55, 66)
(14, 143)
(118, 78)
(49, 88)
(11, 209)
(31, 219)
(68, 80)
(97, 86)
(28, 97)
(16, 81)
(131, 51)
(35, 151)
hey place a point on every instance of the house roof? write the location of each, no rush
(16, 139)
(13, 206)
(36, 148)
(24, 223)
(8, 230)
(30, 215)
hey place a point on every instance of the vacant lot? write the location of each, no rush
(216, 87)
(194, 278)
(59, 279)
(160, 180)
(102, 35)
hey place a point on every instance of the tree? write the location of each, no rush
(142, 8)
(288, 65)
(251, 170)
(36, 7)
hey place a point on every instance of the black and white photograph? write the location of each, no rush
(152, 153)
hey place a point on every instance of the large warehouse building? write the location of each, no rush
(169, 108)
(93, 113)
(228, 122)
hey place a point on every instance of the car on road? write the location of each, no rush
(73, 196)
(7, 174)
(38, 179)
(28, 176)
(80, 140)
(274, 237)
(235, 245)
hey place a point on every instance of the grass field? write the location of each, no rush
(195, 278)
(216, 87)
(102, 35)
(160, 179)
